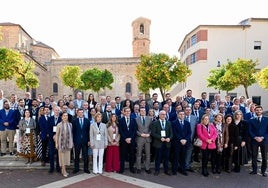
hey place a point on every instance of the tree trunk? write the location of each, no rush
(162, 93)
(246, 91)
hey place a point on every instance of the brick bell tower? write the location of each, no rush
(141, 36)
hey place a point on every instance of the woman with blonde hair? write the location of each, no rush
(64, 142)
(240, 157)
(207, 132)
(98, 142)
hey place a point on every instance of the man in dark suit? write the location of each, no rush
(204, 102)
(143, 140)
(7, 127)
(53, 121)
(81, 140)
(127, 131)
(162, 133)
(106, 115)
(44, 136)
(181, 141)
(258, 130)
(197, 111)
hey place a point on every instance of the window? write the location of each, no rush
(142, 28)
(128, 87)
(55, 88)
(193, 40)
(193, 58)
(256, 100)
(257, 45)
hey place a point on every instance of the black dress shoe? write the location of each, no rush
(58, 170)
(75, 171)
(205, 174)
(121, 172)
(156, 173)
(184, 173)
(264, 174)
(2, 154)
(213, 171)
(190, 170)
(138, 171)
(51, 171)
(253, 173)
(132, 171)
(87, 171)
(174, 173)
(167, 173)
(148, 171)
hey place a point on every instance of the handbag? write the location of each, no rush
(197, 142)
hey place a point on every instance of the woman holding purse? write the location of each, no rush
(206, 131)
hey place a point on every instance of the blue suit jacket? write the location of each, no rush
(44, 127)
(51, 124)
(10, 117)
(258, 129)
(181, 131)
(81, 135)
(125, 133)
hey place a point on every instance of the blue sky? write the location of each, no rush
(102, 28)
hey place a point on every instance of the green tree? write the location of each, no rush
(96, 79)
(25, 76)
(10, 60)
(70, 76)
(160, 71)
(217, 81)
(241, 73)
(12, 66)
(262, 78)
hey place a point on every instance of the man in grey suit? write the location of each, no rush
(193, 122)
(143, 140)
(78, 102)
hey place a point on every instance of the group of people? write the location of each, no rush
(112, 132)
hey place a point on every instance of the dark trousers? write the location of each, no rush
(77, 149)
(44, 149)
(162, 154)
(179, 157)
(206, 155)
(127, 151)
(53, 152)
(255, 150)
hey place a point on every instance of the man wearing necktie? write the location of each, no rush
(193, 122)
(81, 127)
(128, 132)
(162, 133)
(44, 134)
(181, 141)
(143, 140)
(258, 130)
(53, 121)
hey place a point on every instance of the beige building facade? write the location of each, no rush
(49, 64)
(208, 46)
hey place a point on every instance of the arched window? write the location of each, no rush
(55, 88)
(142, 28)
(128, 87)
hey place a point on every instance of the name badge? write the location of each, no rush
(54, 128)
(21, 117)
(98, 137)
(34, 117)
(114, 136)
(28, 130)
(163, 133)
(26, 107)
